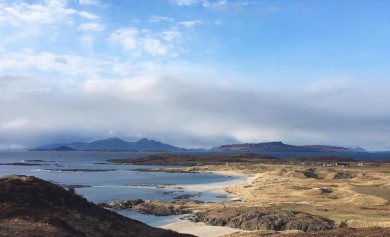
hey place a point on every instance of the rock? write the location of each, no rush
(150, 207)
(185, 196)
(252, 218)
(73, 186)
(221, 196)
(128, 204)
(340, 175)
(161, 209)
(187, 202)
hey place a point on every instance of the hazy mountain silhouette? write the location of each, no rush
(113, 144)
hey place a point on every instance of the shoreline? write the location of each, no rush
(241, 179)
(199, 228)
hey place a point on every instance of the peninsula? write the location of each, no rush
(324, 195)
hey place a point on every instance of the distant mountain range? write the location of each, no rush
(281, 147)
(117, 144)
(111, 144)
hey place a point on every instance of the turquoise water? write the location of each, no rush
(113, 182)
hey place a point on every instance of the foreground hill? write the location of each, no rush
(277, 147)
(112, 144)
(33, 207)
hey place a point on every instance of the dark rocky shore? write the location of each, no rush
(33, 207)
(255, 218)
(152, 207)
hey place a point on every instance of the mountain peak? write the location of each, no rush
(146, 140)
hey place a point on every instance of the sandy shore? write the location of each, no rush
(220, 186)
(201, 229)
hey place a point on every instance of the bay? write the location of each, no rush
(104, 182)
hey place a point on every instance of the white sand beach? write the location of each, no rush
(200, 229)
(219, 187)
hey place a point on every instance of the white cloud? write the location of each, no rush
(187, 2)
(127, 37)
(203, 3)
(145, 41)
(158, 19)
(88, 15)
(15, 124)
(46, 62)
(169, 35)
(90, 2)
(189, 24)
(154, 47)
(329, 85)
(91, 27)
(46, 12)
(226, 5)
(88, 42)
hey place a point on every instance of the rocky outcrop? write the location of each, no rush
(33, 207)
(186, 196)
(150, 207)
(161, 209)
(252, 218)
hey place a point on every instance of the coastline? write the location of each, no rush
(241, 179)
(201, 229)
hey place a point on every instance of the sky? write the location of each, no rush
(195, 73)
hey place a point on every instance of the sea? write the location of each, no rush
(100, 181)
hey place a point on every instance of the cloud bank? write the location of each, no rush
(189, 113)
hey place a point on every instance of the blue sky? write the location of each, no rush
(195, 72)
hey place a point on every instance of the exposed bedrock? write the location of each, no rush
(253, 218)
